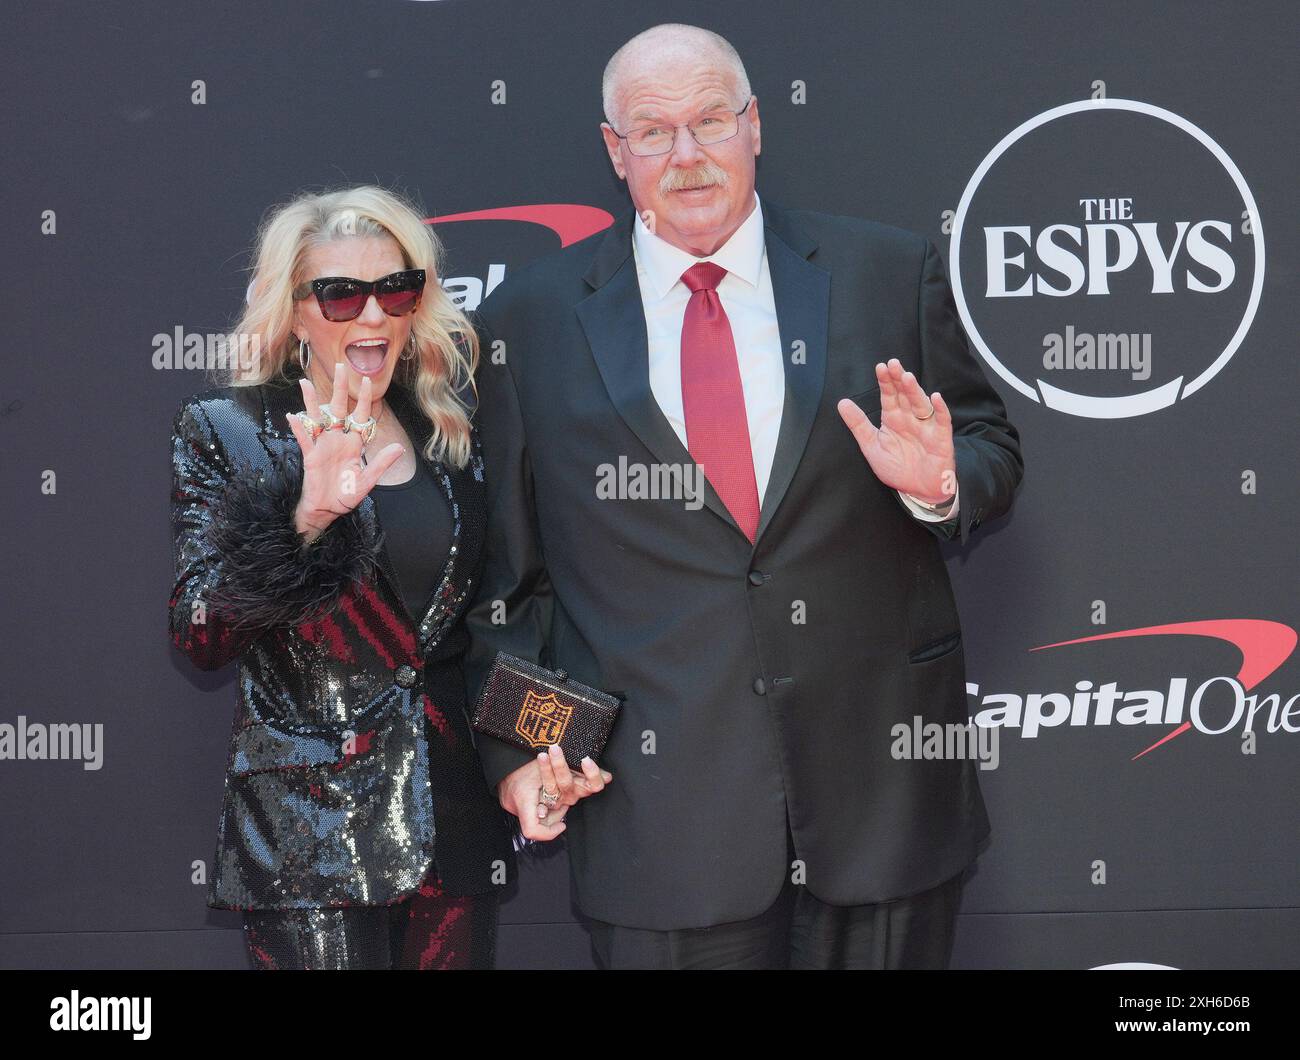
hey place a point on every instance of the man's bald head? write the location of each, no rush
(667, 45)
(689, 83)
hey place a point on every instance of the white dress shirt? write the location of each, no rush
(746, 296)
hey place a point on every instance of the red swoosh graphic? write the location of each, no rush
(1164, 739)
(1264, 646)
(570, 221)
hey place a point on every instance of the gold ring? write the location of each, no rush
(314, 427)
(328, 420)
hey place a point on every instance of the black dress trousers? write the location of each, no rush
(798, 931)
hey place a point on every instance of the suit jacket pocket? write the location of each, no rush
(936, 649)
(266, 746)
(868, 400)
(261, 747)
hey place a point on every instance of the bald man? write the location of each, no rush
(771, 623)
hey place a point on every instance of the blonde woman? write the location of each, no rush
(328, 516)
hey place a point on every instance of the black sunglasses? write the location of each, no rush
(343, 298)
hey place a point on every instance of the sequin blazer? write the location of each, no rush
(351, 760)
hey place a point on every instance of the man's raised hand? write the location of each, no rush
(912, 450)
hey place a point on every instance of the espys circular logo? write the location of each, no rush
(1107, 258)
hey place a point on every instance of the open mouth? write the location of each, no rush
(367, 356)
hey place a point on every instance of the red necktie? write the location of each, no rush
(717, 430)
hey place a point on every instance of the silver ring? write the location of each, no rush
(366, 430)
(545, 798)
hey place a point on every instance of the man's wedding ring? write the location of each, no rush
(925, 417)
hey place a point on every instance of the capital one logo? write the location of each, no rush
(1107, 258)
(569, 221)
(1213, 706)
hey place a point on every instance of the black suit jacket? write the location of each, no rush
(760, 681)
(351, 767)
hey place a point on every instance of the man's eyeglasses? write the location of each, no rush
(343, 298)
(658, 139)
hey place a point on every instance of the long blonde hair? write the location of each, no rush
(446, 346)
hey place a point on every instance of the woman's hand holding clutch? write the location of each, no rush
(541, 792)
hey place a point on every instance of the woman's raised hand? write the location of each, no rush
(334, 479)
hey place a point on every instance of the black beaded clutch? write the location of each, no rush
(531, 707)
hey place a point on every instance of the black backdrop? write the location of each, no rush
(128, 212)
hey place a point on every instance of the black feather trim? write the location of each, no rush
(269, 577)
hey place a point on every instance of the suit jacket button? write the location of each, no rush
(405, 676)
(756, 577)
(760, 687)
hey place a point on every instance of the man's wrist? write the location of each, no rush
(934, 506)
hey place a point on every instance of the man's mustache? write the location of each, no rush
(700, 177)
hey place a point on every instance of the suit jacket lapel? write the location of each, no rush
(614, 322)
(802, 292)
(403, 404)
(613, 318)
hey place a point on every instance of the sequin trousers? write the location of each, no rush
(429, 931)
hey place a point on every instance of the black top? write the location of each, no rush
(416, 522)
